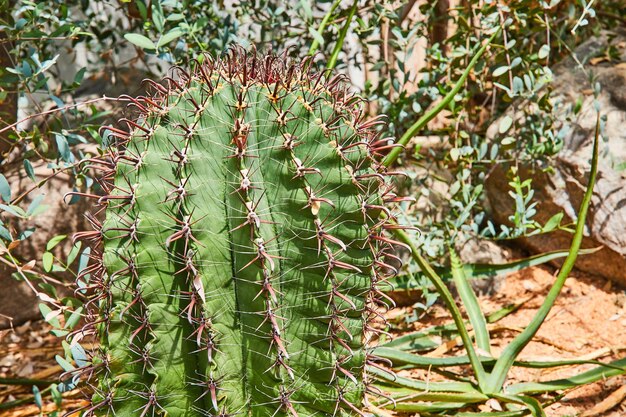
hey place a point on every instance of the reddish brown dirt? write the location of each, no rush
(589, 319)
(589, 316)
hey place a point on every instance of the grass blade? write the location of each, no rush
(422, 341)
(476, 271)
(534, 406)
(403, 395)
(505, 311)
(401, 358)
(470, 301)
(617, 368)
(516, 413)
(426, 407)
(398, 357)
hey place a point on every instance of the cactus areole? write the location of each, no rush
(240, 246)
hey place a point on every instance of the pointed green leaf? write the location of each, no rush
(140, 41)
(500, 70)
(5, 189)
(505, 124)
(67, 367)
(47, 261)
(553, 222)
(30, 171)
(34, 205)
(54, 241)
(170, 36)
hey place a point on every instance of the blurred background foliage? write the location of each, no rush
(64, 61)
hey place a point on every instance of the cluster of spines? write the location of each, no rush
(359, 151)
(253, 220)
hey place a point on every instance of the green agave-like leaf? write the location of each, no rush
(470, 302)
(608, 370)
(399, 357)
(480, 271)
(424, 340)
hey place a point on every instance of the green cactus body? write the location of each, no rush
(241, 247)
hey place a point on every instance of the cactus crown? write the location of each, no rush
(237, 266)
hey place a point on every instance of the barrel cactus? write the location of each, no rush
(240, 245)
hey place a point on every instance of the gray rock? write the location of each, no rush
(563, 189)
(482, 251)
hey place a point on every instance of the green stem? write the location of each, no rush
(342, 37)
(25, 381)
(422, 121)
(509, 354)
(322, 27)
(445, 294)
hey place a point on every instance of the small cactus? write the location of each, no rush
(238, 261)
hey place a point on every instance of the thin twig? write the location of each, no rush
(26, 381)
(20, 197)
(69, 106)
(53, 38)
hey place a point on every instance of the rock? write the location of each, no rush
(562, 190)
(482, 251)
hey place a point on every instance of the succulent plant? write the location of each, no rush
(240, 245)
